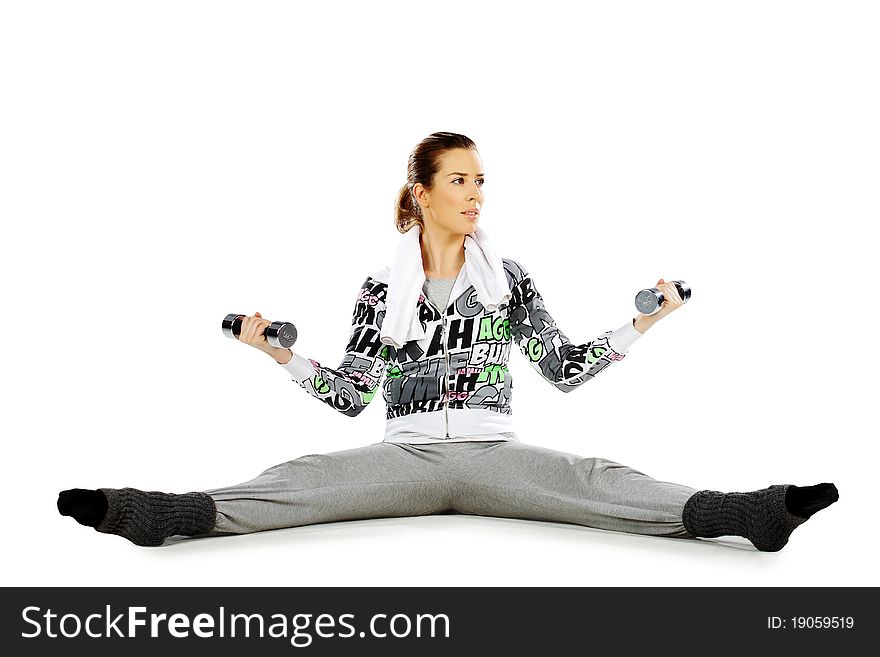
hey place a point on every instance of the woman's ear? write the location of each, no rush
(420, 194)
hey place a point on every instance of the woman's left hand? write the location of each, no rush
(672, 301)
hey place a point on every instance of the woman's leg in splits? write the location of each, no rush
(515, 480)
(374, 481)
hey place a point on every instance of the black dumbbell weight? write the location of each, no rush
(278, 334)
(648, 301)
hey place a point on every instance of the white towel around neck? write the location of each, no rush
(484, 269)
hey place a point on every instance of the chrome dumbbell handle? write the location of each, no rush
(649, 300)
(278, 334)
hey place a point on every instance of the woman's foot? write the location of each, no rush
(87, 507)
(766, 517)
(143, 517)
(806, 500)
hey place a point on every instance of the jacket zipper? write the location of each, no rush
(445, 403)
(445, 388)
(445, 378)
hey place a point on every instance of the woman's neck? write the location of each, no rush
(442, 253)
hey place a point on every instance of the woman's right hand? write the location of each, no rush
(252, 329)
(253, 333)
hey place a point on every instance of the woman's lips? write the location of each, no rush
(471, 215)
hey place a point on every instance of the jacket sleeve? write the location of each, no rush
(548, 350)
(352, 385)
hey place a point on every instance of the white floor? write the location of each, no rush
(447, 550)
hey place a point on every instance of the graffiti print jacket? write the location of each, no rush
(454, 384)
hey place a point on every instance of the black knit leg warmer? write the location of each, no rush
(761, 516)
(148, 518)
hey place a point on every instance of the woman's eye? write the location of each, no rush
(479, 180)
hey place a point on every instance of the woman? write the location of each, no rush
(435, 329)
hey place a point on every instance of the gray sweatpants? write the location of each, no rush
(500, 478)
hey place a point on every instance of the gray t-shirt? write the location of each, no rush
(438, 291)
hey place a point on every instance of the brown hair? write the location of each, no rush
(424, 161)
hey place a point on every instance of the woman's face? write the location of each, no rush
(458, 188)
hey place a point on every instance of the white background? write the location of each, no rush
(166, 163)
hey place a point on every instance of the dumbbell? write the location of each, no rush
(278, 334)
(649, 300)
